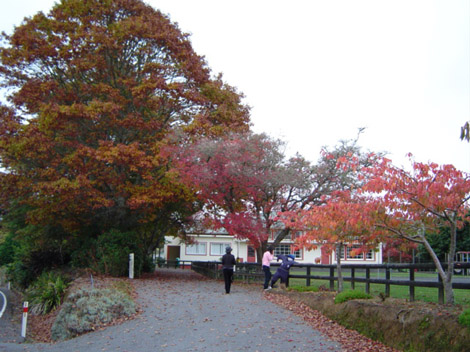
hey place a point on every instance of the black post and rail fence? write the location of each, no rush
(368, 274)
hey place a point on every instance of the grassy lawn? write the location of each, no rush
(462, 297)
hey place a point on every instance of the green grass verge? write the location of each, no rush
(426, 294)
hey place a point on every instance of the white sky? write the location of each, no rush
(314, 71)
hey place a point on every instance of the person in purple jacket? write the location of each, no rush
(283, 271)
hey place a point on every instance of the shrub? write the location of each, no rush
(46, 293)
(111, 254)
(464, 318)
(351, 294)
(30, 264)
(7, 250)
(87, 309)
(300, 288)
(3, 275)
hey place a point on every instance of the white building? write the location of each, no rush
(211, 247)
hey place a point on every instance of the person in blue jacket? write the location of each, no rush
(283, 271)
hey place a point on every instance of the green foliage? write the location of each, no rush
(300, 288)
(7, 249)
(30, 263)
(464, 318)
(160, 262)
(46, 293)
(86, 309)
(3, 276)
(112, 254)
(440, 243)
(349, 295)
(29, 250)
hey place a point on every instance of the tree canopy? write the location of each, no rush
(246, 182)
(96, 91)
(414, 204)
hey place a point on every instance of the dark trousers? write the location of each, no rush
(267, 276)
(280, 274)
(228, 277)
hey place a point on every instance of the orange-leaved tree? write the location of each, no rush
(344, 220)
(414, 203)
(95, 91)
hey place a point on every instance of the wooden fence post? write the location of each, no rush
(387, 285)
(441, 289)
(332, 280)
(412, 288)
(353, 274)
(367, 280)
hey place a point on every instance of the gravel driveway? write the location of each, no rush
(183, 311)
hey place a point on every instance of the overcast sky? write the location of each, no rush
(314, 72)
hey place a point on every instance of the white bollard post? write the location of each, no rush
(25, 319)
(131, 266)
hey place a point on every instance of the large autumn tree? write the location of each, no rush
(95, 91)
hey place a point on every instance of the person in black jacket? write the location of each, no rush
(228, 261)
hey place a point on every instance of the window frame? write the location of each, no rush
(189, 247)
(298, 253)
(222, 245)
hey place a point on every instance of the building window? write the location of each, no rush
(286, 249)
(359, 255)
(218, 248)
(196, 249)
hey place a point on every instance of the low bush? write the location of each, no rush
(464, 318)
(300, 288)
(46, 293)
(351, 294)
(109, 254)
(84, 310)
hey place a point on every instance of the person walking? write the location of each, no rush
(268, 257)
(228, 261)
(283, 271)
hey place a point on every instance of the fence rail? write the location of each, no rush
(252, 272)
(181, 264)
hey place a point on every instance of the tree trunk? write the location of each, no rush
(445, 276)
(283, 234)
(264, 245)
(339, 246)
(259, 253)
(449, 292)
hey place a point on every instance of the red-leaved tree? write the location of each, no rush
(343, 220)
(238, 179)
(246, 182)
(414, 203)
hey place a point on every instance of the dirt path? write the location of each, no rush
(182, 311)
